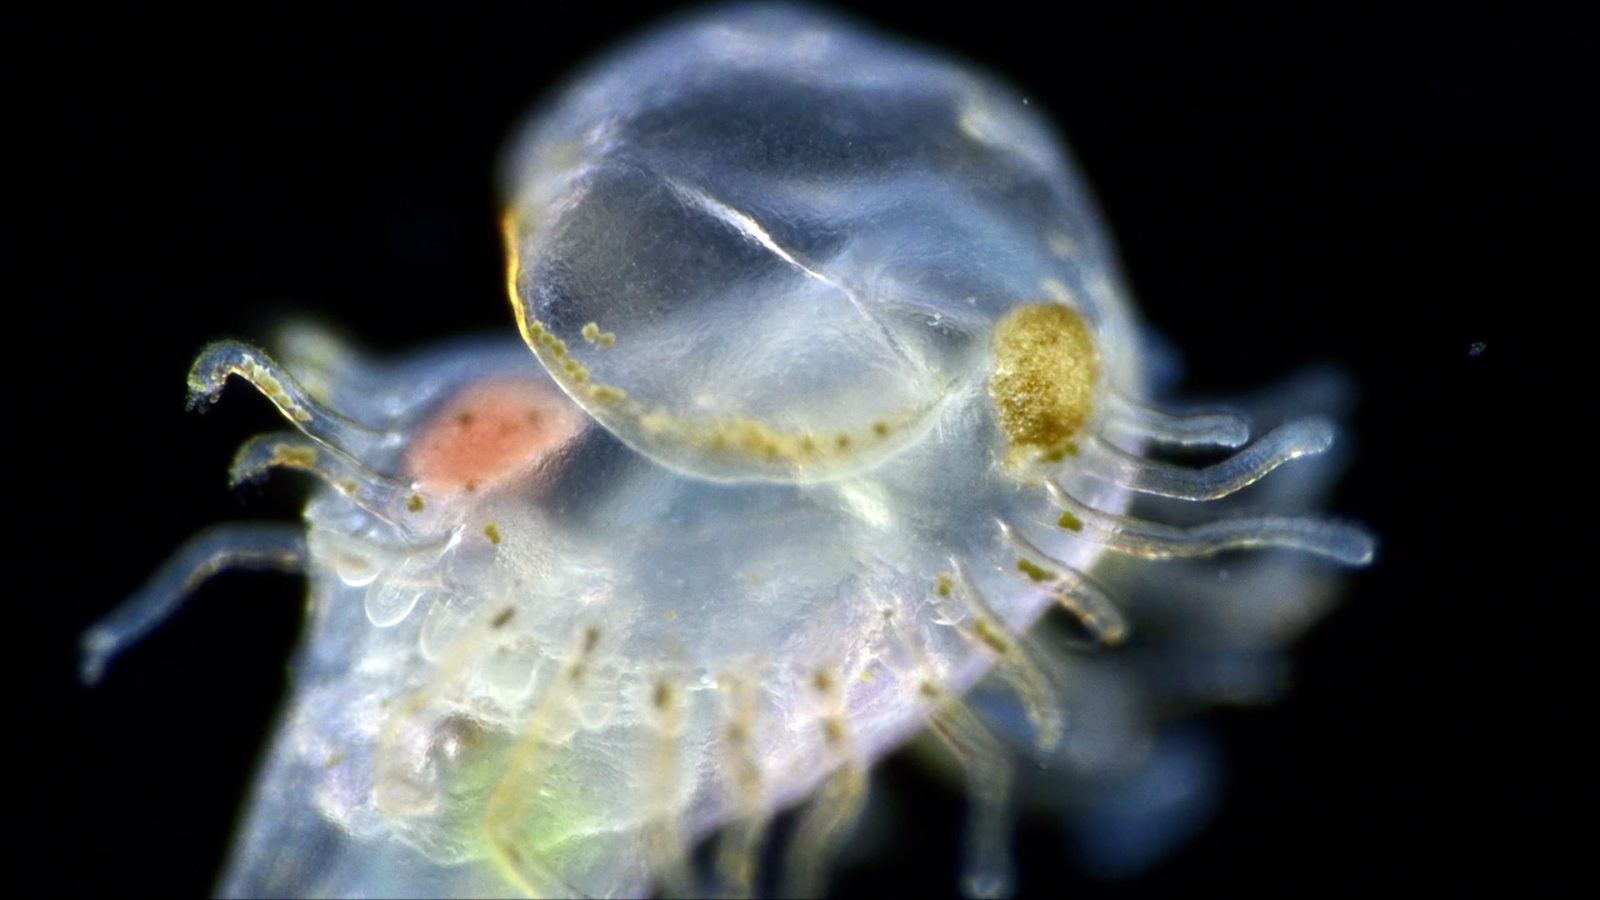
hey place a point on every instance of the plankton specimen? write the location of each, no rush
(833, 397)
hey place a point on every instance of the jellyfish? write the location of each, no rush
(830, 425)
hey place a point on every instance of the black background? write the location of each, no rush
(1378, 190)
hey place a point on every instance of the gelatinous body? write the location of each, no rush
(833, 395)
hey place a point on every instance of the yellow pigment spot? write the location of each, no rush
(592, 334)
(655, 423)
(833, 730)
(821, 681)
(1070, 522)
(1045, 369)
(1033, 570)
(1060, 453)
(942, 584)
(548, 340)
(287, 455)
(736, 436)
(414, 503)
(273, 390)
(603, 393)
(991, 634)
(750, 438)
(492, 532)
(577, 371)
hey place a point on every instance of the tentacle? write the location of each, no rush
(390, 499)
(1343, 543)
(1221, 429)
(665, 833)
(252, 546)
(833, 811)
(987, 870)
(1040, 700)
(1276, 447)
(223, 358)
(1076, 592)
(320, 358)
(509, 803)
(740, 845)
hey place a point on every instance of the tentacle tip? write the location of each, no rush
(205, 386)
(1047, 740)
(1347, 545)
(1362, 548)
(239, 476)
(1233, 430)
(1228, 429)
(209, 372)
(200, 397)
(95, 653)
(1314, 434)
(989, 883)
(246, 468)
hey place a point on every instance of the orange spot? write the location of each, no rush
(490, 433)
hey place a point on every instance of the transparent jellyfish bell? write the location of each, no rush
(775, 250)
